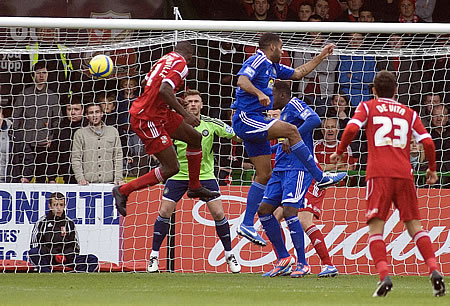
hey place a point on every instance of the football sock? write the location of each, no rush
(254, 198)
(303, 154)
(160, 230)
(377, 249)
(149, 179)
(273, 231)
(223, 231)
(423, 242)
(298, 238)
(317, 240)
(194, 158)
(154, 254)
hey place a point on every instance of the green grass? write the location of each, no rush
(208, 289)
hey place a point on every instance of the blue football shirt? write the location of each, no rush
(295, 112)
(262, 73)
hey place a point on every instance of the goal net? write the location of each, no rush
(38, 126)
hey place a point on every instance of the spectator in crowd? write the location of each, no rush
(440, 13)
(327, 146)
(428, 102)
(352, 13)
(424, 9)
(61, 147)
(247, 8)
(321, 8)
(280, 9)
(339, 108)
(407, 12)
(108, 104)
(318, 84)
(385, 10)
(128, 92)
(417, 155)
(96, 152)
(35, 118)
(224, 62)
(366, 15)
(440, 133)
(64, 77)
(136, 160)
(261, 11)
(5, 147)
(305, 11)
(437, 71)
(54, 241)
(356, 72)
(407, 71)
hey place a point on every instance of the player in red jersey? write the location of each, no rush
(389, 126)
(155, 124)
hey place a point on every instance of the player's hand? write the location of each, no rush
(192, 120)
(83, 182)
(60, 258)
(326, 51)
(264, 100)
(336, 158)
(431, 177)
(286, 146)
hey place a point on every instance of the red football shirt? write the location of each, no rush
(170, 68)
(389, 126)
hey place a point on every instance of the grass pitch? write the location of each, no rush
(209, 289)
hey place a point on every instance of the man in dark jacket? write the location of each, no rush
(54, 241)
(61, 146)
(35, 118)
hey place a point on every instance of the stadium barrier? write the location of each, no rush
(126, 242)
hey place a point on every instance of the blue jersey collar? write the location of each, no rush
(262, 53)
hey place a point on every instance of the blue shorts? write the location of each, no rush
(287, 188)
(253, 128)
(175, 189)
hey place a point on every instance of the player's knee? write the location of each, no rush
(166, 210)
(265, 209)
(289, 211)
(195, 140)
(263, 177)
(170, 170)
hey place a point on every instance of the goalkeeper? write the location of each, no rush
(54, 241)
(177, 185)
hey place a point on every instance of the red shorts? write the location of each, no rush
(155, 133)
(381, 192)
(313, 200)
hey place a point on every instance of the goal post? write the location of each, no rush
(418, 54)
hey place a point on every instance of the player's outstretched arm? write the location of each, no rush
(246, 85)
(304, 69)
(430, 155)
(166, 92)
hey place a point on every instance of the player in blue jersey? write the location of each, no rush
(253, 97)
(289, 183)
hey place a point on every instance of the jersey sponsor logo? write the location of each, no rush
(205, 132)
(249, 71)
